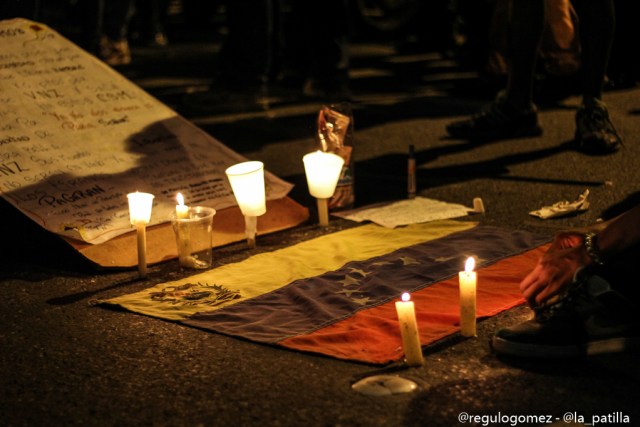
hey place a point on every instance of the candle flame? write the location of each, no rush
(406, 297)
(470, 264)
(180, 199)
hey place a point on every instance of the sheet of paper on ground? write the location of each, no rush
(76, 137)
(412, 211)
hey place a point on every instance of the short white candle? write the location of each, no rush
(140, 205)
(247, 183)
(409, 331)
(182, 210)
(184, 244)
(467, 280)
(322, 171)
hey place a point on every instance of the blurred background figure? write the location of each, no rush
(316, 50)
(275, 52)
(148, 23)
(514, 114)
(106, 29)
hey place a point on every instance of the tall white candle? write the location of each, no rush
(409, 331)
(140, 205)
(467, 279)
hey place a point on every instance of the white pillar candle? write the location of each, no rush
(140, 205)
(322, 171)
(467, 279)
(247, 183)
(409, 331)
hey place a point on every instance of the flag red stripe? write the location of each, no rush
(373, 335)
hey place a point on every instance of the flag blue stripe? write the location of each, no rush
(306, 305)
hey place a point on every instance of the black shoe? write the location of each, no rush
(496, 121)
(595, 133)
(591, 319)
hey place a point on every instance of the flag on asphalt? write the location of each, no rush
(335, 295)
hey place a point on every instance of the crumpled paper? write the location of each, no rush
(563, 208)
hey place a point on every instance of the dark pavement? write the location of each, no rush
(68, 362)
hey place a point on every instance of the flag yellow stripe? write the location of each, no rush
(268, 271)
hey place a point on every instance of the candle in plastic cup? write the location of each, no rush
(322, 171)
(140, 205)
(247, 183)
(194, 237)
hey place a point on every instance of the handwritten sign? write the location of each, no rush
(76, 137)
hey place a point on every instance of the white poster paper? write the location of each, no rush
(76, 137)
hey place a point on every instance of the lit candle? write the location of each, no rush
(467, 280)
(322, 171)
(409, 331)
(247, 183)
(184, 245)
(182, 210)
(140, 205)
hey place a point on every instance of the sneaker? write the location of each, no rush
(495, 121)
(595, 133)
(591, 319)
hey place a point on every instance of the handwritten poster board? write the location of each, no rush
(76, 137)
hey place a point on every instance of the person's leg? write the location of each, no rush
(250, 50)
(513, 113)
(114, 43)
(117, 15)
(526, 25)
(597, 22)
(329, 25)
(594, 131)
(248, 63)
(316, 48)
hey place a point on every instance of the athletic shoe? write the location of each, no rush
(595, 133)
(591, 319)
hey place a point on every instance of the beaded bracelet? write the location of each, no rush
(591, 246)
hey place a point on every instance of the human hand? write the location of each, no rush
(555, 270)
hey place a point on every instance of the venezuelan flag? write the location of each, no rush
(334, 295)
